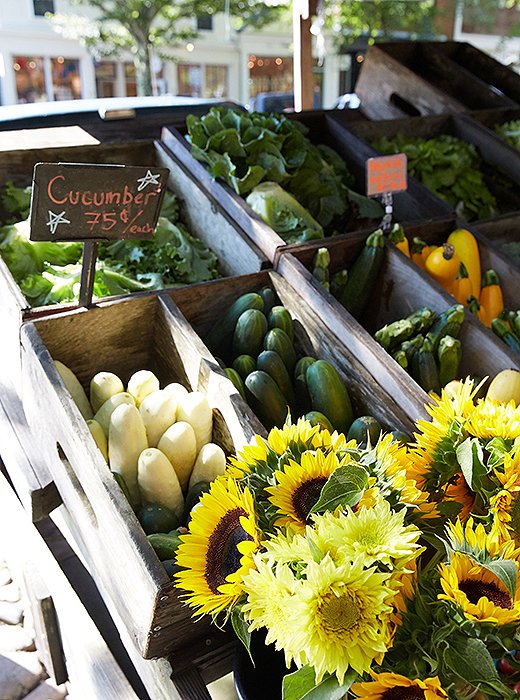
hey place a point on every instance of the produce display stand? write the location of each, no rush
(504, 229)
(401, 79)
(417, 203)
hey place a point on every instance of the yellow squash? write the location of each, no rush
(505, 387)
(443, 265)
(491, 297)
(466, 247)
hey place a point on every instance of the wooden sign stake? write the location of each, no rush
(88, 272)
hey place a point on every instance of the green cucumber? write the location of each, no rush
(270, 361)
(329, 395)
(363, 429)
(122, 485)
(302, 366)
(164, 545)
(269, 298)
(277, 339)
(317, 418)
(220, 336)
(266, 399)
(363, 274)
(244, 365)
(249, 333)
(192, 498)
(236, 380)
(279, 317)
(303, 400)
(156, 518)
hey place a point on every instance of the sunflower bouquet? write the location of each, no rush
(380, 572)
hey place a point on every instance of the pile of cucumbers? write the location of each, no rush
(426, 345)
(254, 344)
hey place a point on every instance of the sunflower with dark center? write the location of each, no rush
(478, 592)
(218, 550)
(392, 686)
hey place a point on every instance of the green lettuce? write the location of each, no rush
(16, 201)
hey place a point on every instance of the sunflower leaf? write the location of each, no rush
(301, 685)
(470, 458)
(503, 569)
(344, 487)
(240, 628)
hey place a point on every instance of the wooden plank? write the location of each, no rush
(91, 667)
(49, 137)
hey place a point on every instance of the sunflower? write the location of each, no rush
(460, 536)
(299, 486)
(218, 550)
(458, 490)
(339, 618)
(392, 686)
(478, 592)
(494, 419)
(245, 461)
(376, 535)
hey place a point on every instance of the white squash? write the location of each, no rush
(141, 384)
(505, 387)
(210, 463)
(179, 444)
(103, 385)
(73, 386)
(158, 482)
(103, 415)
(126, 441)
(194, 408)
(158, 413)
(99, 437)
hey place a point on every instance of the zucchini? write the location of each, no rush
(277, 339)
(363, 275)
(502, 330)
(250, 330)
(279, 317)
(410, 346)
(236, 380)
(220, 336)
(270, 361)
(269, 298)
(193, 497)
(395, 333)
(303, 400)
(329, 395)
(244, 365)
(422, 319)
(401, 358)
(449, 356)
(424, 368)
(164, 545)
(448, 323)
(266, 399)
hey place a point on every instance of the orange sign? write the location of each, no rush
(386, 174)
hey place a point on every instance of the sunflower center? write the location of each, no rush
(475, 590)
(403, 694)
(223, 557)
(339, 614)
(306, 495)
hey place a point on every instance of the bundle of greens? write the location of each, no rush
(510, 131)
(248, 149)
(50, 273)
(447, 166)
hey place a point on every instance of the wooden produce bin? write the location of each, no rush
(401, 288)
(122, 336)
(205, 218)
(314, 336)
(400, 79)
(492, 118)
(497, 156)
(413, 205)
(500, 233)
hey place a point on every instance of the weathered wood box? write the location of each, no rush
(413, 205)
(503, 234)
(491, 119)
(121, 336)
(400, 79)
(401, 288)
(204, 217)
(500, 164)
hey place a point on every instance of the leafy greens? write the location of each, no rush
(510, 131)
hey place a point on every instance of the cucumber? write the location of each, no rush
(401, 437)
(302, 365)
(156, 518)
(317, 418)
(269, 298)
(122, 485)
(277, 339)
(164, 545)
(279, 317)
(266, 399)
(244, 365)
(192, 498)
(363, 429)
(171, 567)
(270, 361)
(329, 395)
(363, 274)
(220, 336)
(249, 333)
(236, 380)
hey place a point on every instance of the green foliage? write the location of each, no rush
(510, 131)
(447, 166)
(301, 685)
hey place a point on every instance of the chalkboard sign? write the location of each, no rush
(386, 174)
(82, 201)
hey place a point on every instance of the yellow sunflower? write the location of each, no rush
(505, 504)
(250, 455)
(494, 419)
(459, 491)
(298, 487)
(218, 550)
(339, 618)
(462, 534)
(392, 686)
(478, 592)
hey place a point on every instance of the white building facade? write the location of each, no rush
(39, 64)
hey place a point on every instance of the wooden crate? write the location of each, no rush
(401, 288)
(400, 79)
(313, 337)
(498, 233)
(122, 336)
(496, 155)
(491, 118)
(327, 127)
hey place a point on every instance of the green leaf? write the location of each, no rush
(344, 488)
(240, 628)
(469, 659)
(505, 570)
(367, 208)
(301, 685)
(469, 456)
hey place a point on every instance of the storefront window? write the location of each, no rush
(30, 79)
(216, 81)
(43, 6)
(66, 82)
(270, 74)
(189, 80)
(105, 78)
(130, 84)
